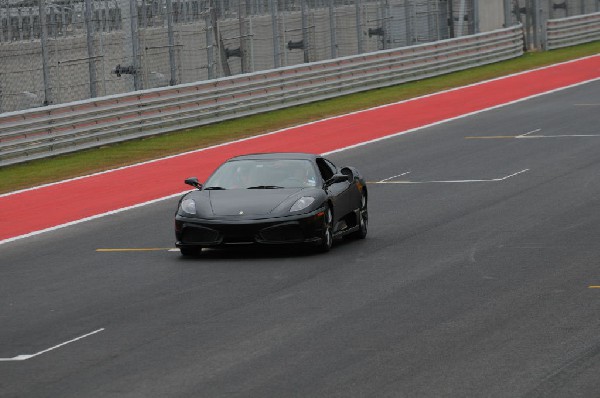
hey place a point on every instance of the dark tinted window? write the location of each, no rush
(273, 173)
(326, 168)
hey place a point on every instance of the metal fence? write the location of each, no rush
(571, 31)
(534, 14)
(83, 49)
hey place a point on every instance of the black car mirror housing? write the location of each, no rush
(337, 178)
(193, 181)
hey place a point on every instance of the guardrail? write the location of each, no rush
(572, 30)
(58, 129)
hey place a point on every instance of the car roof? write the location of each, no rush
(277, 156)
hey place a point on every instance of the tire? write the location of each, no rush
(363, 219)
(190, 251)
(327, 234)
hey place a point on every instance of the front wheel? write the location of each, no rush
(363, 219)
(327, 234)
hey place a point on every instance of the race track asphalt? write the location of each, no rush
(478, 278)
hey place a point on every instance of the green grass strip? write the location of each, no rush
(58, 168)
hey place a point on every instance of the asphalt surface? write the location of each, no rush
(477, 279)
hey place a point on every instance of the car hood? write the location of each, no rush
(255, 202)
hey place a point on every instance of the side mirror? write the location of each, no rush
(193, 181)
(336, 178)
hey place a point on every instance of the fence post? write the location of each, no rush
(251, 33)
(451, 19)
(130, 39)
(544, 31)
(305, 30)
(408, 21)
(507, 13)
(89, 26)
(461, 18)
(527, 24)
(209, 44)
(475, 13)
(243, 35)
(359, 40)
(276, 52)
(8, 13)
(44, 43)
(537, 26)
(135, 47)
(332, 30)
(386, 23)
(219, 39)
(173, 67)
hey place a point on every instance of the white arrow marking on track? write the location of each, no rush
(392, 177)
(559, 136)
(450, 181)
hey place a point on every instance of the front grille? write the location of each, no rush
(282, 233)
(238, 239)
(199, 235)
(237, 233)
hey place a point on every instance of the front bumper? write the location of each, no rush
(299, 228)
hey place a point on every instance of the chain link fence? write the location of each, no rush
(533, 14)
(58, 51)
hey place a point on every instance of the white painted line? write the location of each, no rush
(514, 174)
(392, 177)
(529, 136)
(29, 356)
(453, 181)
(528, 133)
(559, 136)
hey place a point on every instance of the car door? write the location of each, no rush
(338, 192)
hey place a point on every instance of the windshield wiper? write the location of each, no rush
(266, 187)
(214, 188)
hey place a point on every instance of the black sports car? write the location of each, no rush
(273, 198)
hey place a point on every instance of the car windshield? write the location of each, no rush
(263, 174)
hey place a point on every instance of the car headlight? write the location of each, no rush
(188, 206)
(302, 203)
